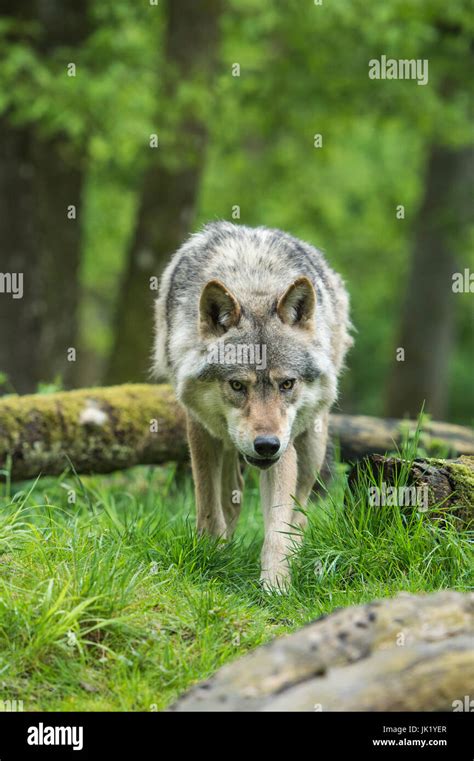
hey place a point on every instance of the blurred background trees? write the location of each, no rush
(168, 195)
(181, 112)
(41, 171)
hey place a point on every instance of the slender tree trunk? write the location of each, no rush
(169, 190)
(426, 329)
(39, 178)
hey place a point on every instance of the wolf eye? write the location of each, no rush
(287, 384)
(236, 385)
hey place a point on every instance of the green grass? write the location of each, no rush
(111, 602)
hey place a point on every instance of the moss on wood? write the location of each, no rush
(98, 430)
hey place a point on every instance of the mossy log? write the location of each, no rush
(100, 430)
(445, 485)
(97, 430)
(408, 653)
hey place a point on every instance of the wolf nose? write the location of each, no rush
(266, 446)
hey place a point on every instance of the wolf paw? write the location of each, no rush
(275, 582)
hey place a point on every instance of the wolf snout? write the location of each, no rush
(266, 446)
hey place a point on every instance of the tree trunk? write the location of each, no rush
(100, 430)
(409, 653)
(426, 330)
(39, 178)
(169, 191)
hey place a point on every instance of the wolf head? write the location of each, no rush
(263, 374)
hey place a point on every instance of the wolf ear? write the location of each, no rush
(296, 306)
(219, 310)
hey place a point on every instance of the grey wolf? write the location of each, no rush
(231, 286)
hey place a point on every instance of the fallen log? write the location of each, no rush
(445, 485)
(97, 430)
(408, 653)
(360, 435)
(100, 430)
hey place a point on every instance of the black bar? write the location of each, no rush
(158, 735)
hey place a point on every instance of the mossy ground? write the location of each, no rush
(111, 602)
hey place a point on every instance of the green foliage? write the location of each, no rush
(50, 388)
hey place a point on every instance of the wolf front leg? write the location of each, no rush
(206, 461)
(277, 487)
(310, 448)
(232, 489)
